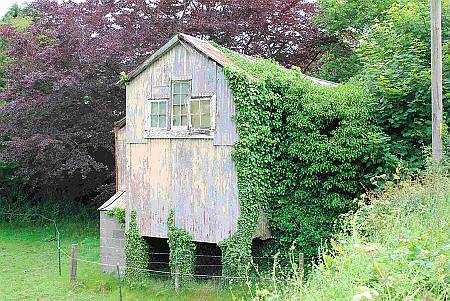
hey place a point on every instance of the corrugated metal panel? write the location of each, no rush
(118, 200)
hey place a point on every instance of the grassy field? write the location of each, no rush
(29, 269)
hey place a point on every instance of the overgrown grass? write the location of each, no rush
(29, 269)
(397, 248)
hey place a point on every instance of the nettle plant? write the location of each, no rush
(304, 153)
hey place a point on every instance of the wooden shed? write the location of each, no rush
(173, 149)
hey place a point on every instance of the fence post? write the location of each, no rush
(73, 270)
(59, 255)
(119, 281)
(302, 266)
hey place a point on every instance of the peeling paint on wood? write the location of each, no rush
(195, 177)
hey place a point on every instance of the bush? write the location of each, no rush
(305, 151)
(395, 55)
(396, 248)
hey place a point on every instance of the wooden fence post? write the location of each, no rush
(73, 270)
(119, 281)
(302, 266)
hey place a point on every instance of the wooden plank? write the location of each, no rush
(226, 132)
(193, 177)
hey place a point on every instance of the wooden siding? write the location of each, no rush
(120, 159)
(226, 133)
(195, 177)
(181, 63)
(191, 176)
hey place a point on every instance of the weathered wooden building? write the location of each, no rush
(173, 149)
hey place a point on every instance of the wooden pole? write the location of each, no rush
(436, 78)
(119, 282)
(73, 270)
(302, 266)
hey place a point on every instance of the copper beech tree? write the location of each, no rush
(60, 99)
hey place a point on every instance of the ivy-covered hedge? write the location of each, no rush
(305, 151)
(136, 254)
(182, 252)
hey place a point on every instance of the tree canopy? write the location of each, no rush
(61, 99)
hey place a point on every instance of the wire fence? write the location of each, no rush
(90, 255)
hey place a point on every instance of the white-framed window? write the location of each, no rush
(200, 113)
(178, 113)
(158, 114)
(180, 94)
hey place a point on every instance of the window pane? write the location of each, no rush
(204, 106)
(163, 108)
(184, 120)
(195, 107)
(154, 108)
(196, 121)
(184, 110)
(176, 88)
(185, 88)
(176, 110)
(176, 120)
(205, 122)
(162, 121)
(154, 121)
(177, 99)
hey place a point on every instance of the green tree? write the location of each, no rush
(396, 61)
(346, 21)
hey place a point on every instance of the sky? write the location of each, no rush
(5, 4)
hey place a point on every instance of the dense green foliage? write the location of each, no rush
(345, 21)
(396, 248)
(136, 254)
(304, 153)
(119, 214)
(395, 55)
(182, 252)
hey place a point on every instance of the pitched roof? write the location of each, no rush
(204, 47)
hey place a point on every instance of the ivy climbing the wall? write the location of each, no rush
(118, 214)
(305, 151)
(136, 254)
(182, 252)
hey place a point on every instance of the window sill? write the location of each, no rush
(178, 134)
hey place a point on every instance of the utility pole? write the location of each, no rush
(436, 78)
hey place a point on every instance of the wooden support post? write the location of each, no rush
(436, 78)
(301, 266)
(119, 282)
(73, 270)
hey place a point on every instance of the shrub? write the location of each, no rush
(305, 151)
(396, 248)
(136, 254)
